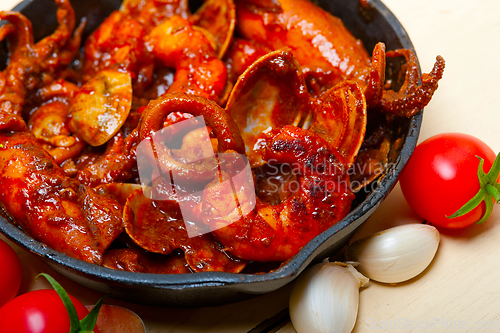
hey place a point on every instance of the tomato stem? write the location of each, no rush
(489, 191)
(73, 317)
(492, 190)
(87, 324)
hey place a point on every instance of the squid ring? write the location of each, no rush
(224, 128)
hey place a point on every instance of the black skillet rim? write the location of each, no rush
(214, 279)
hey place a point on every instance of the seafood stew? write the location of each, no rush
(316, 99)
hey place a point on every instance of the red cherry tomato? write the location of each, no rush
(10, 273)
(441, 176)
(39, 311)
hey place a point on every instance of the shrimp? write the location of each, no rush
(192, 52)
(329, 54)
(118, 44)
(127, 50)
(312, 33)
(321, 198)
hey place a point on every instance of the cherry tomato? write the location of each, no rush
(441, 176)
(10, 276)
(39, 311)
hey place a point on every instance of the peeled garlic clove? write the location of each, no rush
(325, 298)
(396, 254)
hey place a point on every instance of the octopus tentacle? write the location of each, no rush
(411, 97)
(73, 45)
(30, 65)
(57, 40)
(376, 78)
(6, 30)
(19, 33)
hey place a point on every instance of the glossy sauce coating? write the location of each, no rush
(58, 210)
(291, 89)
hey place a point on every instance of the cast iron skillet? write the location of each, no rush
(372, 24)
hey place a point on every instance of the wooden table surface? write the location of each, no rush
(460, 290)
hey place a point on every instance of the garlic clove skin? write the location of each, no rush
(325, 299)
(396, 254)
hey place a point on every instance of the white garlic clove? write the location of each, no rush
(325, 298)
(396, 254)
